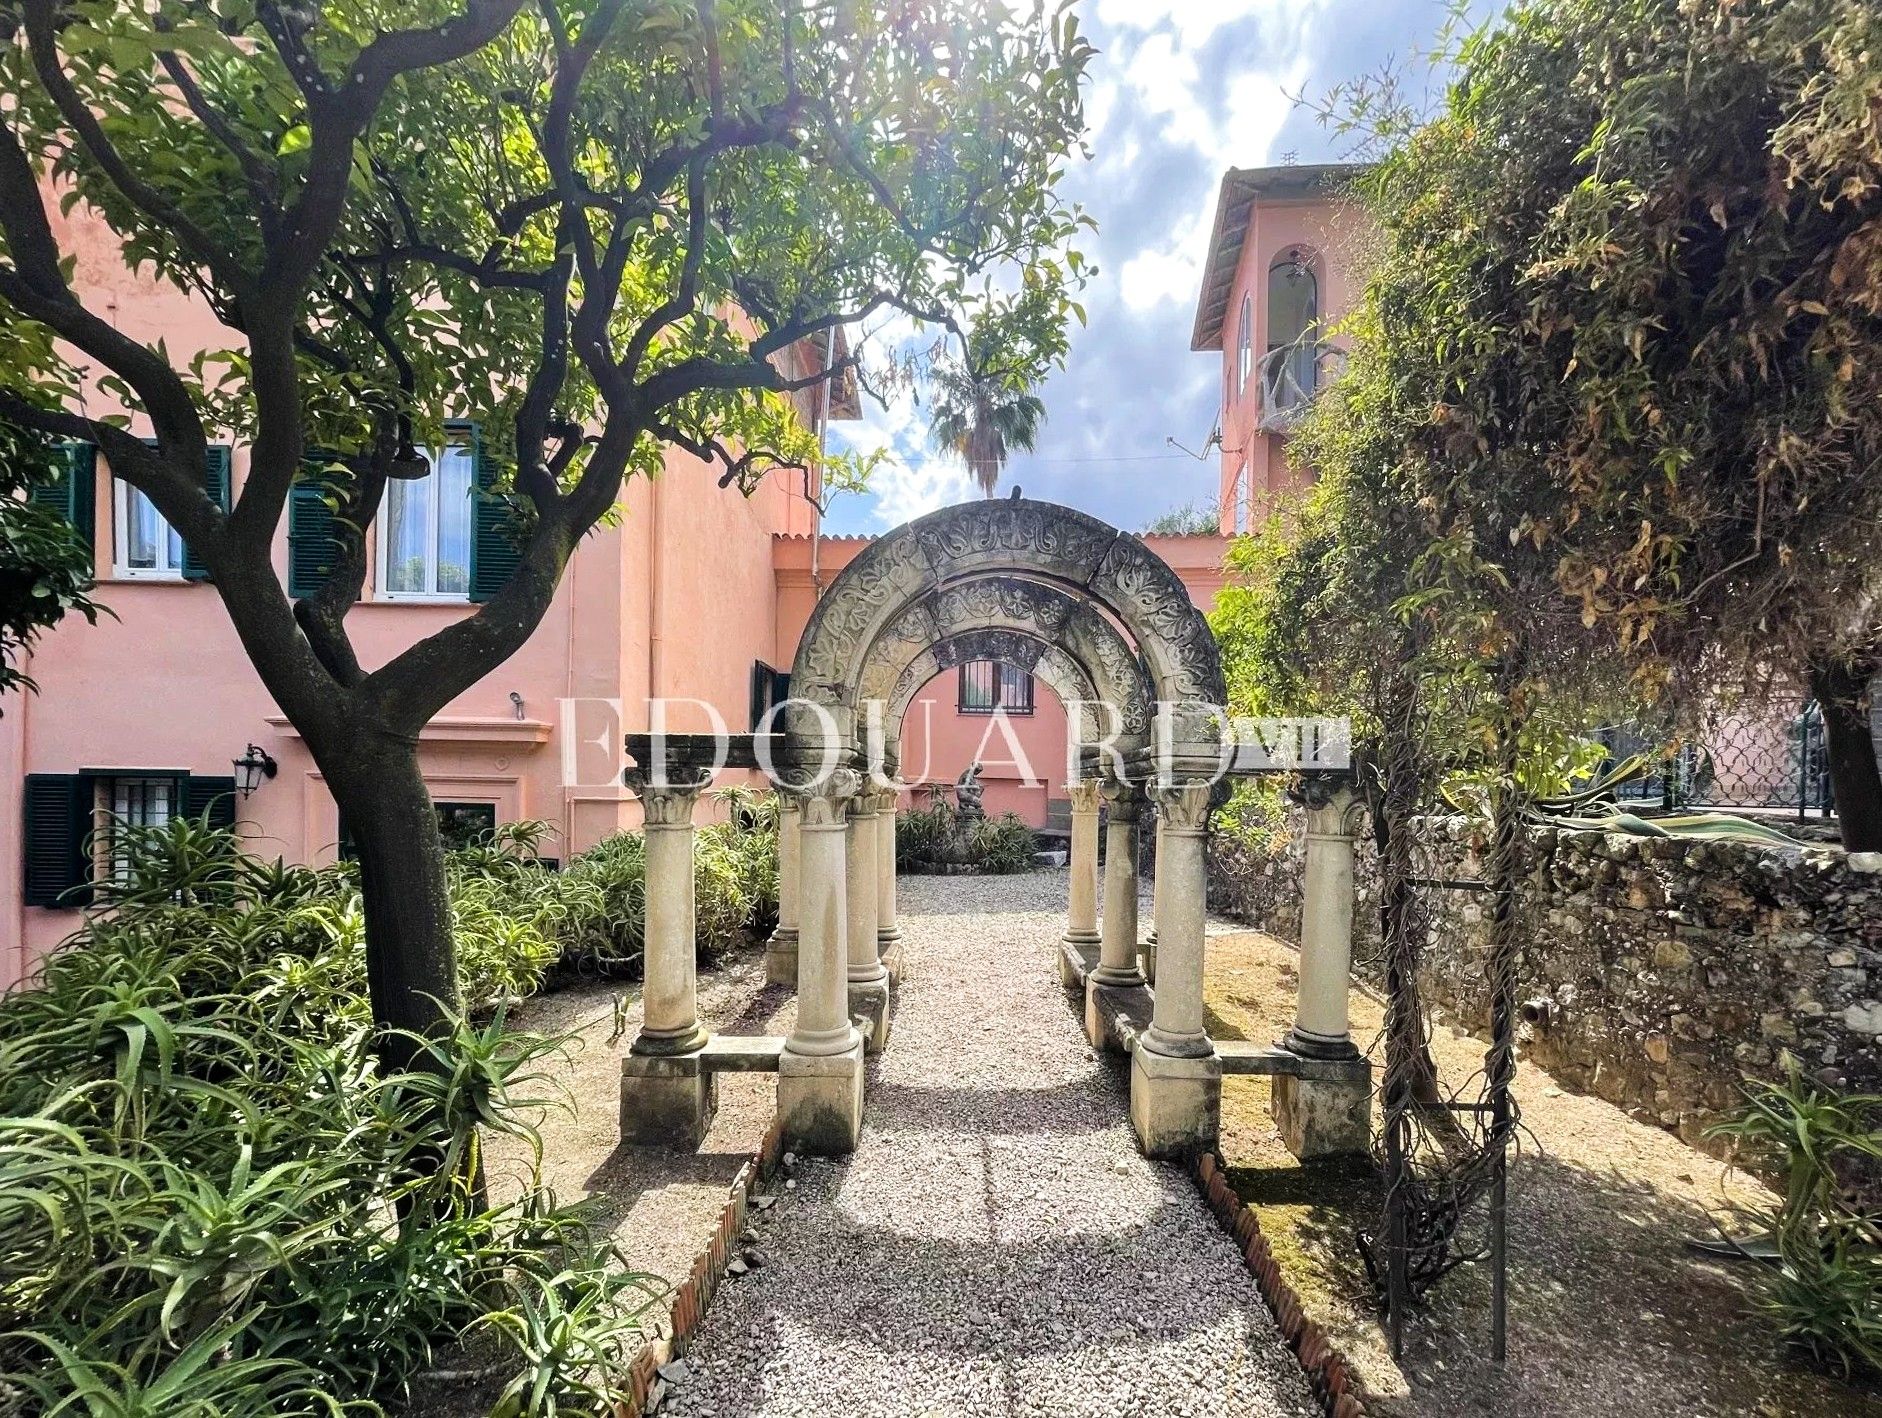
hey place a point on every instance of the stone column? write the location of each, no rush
(1117, 945)
(888, 930)
(666, 1097)
(1176, 1078)
(781, 949)
(1156, 911)
(1079, 947)
(1325, 1117)
(868, 977)
(820, 1073)
(1117, 956)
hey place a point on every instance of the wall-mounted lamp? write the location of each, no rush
(255, 764)
(516, 704)
(1297, 265)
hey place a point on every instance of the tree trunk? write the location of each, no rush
(411, 958)
(1840, 691)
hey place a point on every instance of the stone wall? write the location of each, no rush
(1657, 973)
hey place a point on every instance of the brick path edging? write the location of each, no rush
(687, 1304)
(1327, 1370)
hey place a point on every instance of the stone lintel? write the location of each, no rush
(1077, 959)
(722, 1053)
(681, 751)
(1241, 1057)
(869, 1010)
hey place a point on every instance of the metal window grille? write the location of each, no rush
(987, 687)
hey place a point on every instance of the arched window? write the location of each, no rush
(1291, 368)
(1245, 347)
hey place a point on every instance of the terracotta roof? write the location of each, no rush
(1240, 187)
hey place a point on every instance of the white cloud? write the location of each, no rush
(903, 490)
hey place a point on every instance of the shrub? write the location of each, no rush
(214, 1200)
(1825, 1291)
(940, 837)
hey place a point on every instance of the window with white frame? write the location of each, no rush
(425, 529)
(143, 543)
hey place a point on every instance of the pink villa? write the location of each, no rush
(1277, 275)
(697, 597)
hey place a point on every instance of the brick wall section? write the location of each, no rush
(1667, 970)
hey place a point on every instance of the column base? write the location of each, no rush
(668, 1046)
(1320, 1118)
(781, 958)
(820, 1101)
(1176, 1104)
(889, 952)
(1147, 959)
(667, 1100)
(1319, 1046)
(869, 1008)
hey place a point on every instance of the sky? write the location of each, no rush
(1181, 90)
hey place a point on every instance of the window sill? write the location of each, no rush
(416, 598)
(989, 713)
(120, 577)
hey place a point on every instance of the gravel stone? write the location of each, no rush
(996, 1245)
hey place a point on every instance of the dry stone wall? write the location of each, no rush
(1658, 973)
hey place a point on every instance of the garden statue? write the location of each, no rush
(968, 792)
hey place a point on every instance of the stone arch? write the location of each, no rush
(1048, 571)
(1037, 627)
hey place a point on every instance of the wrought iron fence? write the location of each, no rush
(1769, 756)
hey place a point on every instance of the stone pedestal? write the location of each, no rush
(670, 978)
(820, 1101)
(1081, 937)
(1176, 1103)
(781, 949)
(667, 1100)
(1322, 1118)
(868, 978)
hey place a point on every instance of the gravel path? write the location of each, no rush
(995, 1245)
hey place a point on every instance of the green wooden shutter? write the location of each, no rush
(312, 546)
(495, 547)
(212, 799)
(58, 823)
(216, 479)
(74, 492)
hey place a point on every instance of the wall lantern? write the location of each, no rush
(1297, 265)
(255, 764)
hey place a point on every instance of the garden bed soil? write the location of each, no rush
(1611, 1312)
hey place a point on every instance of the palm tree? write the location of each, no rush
(983, 419)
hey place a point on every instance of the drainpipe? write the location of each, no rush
(823, 444)
(656, 568)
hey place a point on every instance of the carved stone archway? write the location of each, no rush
(908, 573)
(1098, 616)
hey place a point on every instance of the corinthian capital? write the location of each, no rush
(825, 801)
(1084, 794)
(669, 801)
(1126, 800)
(1185, 806)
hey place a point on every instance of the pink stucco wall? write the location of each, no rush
(1256, 471)
(676, 600)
